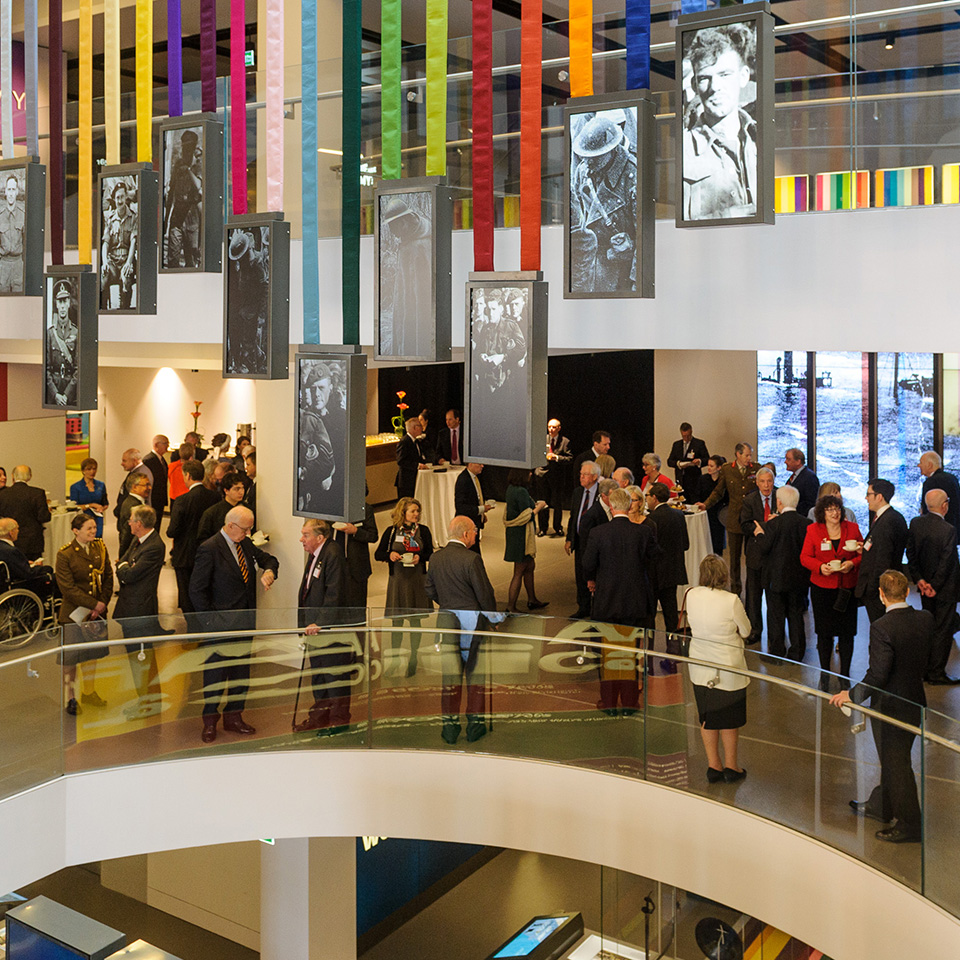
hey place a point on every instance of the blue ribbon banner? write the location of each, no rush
(638, 44)
(693, 6)
(309, 166)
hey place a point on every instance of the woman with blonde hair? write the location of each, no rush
(636, 513)
(607, 465)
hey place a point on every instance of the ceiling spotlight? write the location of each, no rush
(888, 44)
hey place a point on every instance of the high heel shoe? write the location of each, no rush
(714, 775)
(733, 776)
(73, 708)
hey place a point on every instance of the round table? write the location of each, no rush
(56, 533)
(435, 492)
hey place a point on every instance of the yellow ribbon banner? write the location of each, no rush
(581, 48)
(85, 136)
(111, 79)
(436, 88)
(144, 81)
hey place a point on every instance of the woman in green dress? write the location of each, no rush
(521, 539)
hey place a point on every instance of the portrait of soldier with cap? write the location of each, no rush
(248, 300)
(182, 199)
(406, 274)
(603, 201)
(118, 246)
(12, 218)
(60, 355)
(321, 448)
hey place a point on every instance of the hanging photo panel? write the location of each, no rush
(191, 208)
(70, 338)
(256, 297)
(609, 217)
(331, 415)
(22, 226)
(505, 368)
(127, 239)
(412, 227)
(724, 124)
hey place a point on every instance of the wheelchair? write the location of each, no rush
(23, 613)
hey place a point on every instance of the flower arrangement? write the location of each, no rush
(196, 416)
(398, 421)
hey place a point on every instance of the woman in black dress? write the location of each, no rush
(708, 481)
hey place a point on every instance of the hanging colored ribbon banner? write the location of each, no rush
(174, 60)
(55, 85)
(581, 48)
(6, 76)
(238, 106)
(30, 75)
(390, 92)
(274, 105)
(531, 110)
(638, 44)
(350, 171)
(85, 136)
(309, 172)
(483, 207)
(208, 56)
(111, 79)
(144, 72)
(436, 88)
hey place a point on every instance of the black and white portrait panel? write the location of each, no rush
(182, 198)
(603, 201)
(322, 437)
(719, 133)
(13, 213)
(248, 301)
(406, 318)
(499, 372)
(119, 242)
(61, 342)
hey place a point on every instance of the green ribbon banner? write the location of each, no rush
(390, 94)
(436, 88)
(350, 171)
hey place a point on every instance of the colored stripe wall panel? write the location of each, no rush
(842, 190)
(950, 183)
(792, 194)
(903, 186)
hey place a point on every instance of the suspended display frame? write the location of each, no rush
(22, 226)
(609, 216)
(331, 415)
(256, 297)
(413, 226)
(127, 239)
(505, 368)
(71, 326)
(724, 127)
(191, 204)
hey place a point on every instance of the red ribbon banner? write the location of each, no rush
(531, 54)
(483, 135)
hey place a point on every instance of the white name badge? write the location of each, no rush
(826, 545)
(868, 544)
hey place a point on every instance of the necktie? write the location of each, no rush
(454, 446)
(583, 507)
(242, 562)
(766, 509)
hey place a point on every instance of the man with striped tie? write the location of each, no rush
(223, 591)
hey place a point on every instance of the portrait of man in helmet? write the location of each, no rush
(248, 301)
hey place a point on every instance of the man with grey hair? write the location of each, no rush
(31, 575)
(936, 478)
(757, 506)
(155, 461)
(779, 541)
(137, 486)
(624, 477)
(932, 561)
(583, 500)
(130, 460)
(28, 506)
(411, 457)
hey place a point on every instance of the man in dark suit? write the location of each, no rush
(551, 476)
(198, 453)
(688, 457)
(803, 478)
(158, 467)
(933, 565)
(250, 469)
(411, 457)
(670, 568)
(185, 516)
(581, 503)
(737, 479)
(138, 489)
(785, 579)
(936, 478)
(28, 506)
(22, 572)
(899, 652)
(458, 583)
(601, 445)
(883, 546)
(131, 461)
(450, 440)
(321, 592)
(468, 499)
(354, 540)
(213, 517)
(758, 505)
(617, 562)
(224, 586)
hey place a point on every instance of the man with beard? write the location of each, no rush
(61, 361)
(248, 288)
(11, 238)
(118, 253)
(184, 196)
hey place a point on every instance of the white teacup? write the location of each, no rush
(850, 546)
(407, 559)
(835, 565)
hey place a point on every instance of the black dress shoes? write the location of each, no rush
(714, 776)
(898, 835)
(537, 604)
(235, 723)
(450, 732)
(209, 729)
(862, 809)
(476, 730)
(733, 776)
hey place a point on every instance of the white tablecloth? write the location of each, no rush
(698, 529)
(435, 492)
(55, 534)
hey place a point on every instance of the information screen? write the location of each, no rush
(525, 942)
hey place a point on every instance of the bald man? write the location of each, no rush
(933, 565)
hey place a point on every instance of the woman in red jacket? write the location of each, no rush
(831, 554)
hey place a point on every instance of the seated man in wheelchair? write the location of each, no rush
(23, 573)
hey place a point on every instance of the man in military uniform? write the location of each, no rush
(316, 466)
(720, 139)
(118, 254)
(184, 195)
(410, 296)
(248, 287)
(603, 210)
(11, 238)
(61, 372)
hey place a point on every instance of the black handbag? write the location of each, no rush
(842, 600)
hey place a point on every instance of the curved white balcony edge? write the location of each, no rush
(816, 893)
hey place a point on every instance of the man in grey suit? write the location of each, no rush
(458, 582)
